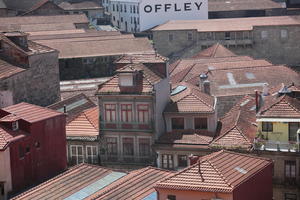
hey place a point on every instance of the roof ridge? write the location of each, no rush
(220, 174)
(241, 132)
(86, 116)
(293, 107)
(215, 50)
(200, 98)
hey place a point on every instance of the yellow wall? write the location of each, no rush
(280, 132)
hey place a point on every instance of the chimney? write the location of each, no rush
(202, 78)
(256, 101)
(265, 89)
(206, 87)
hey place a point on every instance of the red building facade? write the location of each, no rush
(35, 138)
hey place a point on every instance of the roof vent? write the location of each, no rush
(203, 76)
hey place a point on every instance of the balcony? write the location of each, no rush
(233, 42)
(269, 145)
(126, 126)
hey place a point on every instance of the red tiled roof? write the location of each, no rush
(222, 171)
(215, 51)
(40, 4)
(75, 105)
(190, 100)
(142, 58)
(31, 113)
(67, 183)
(228, 24)
(232, 75)
(7, 136)
(80, 5)
(189, 137)
(238, 127)
(137, 185)
(150, 78)
(282, 106)
(7, 70)
(85, 124)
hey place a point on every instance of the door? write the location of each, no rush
(293, 128)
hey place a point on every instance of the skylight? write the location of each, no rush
(241, 170)
(178, 89)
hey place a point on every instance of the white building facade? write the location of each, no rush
(140, 15)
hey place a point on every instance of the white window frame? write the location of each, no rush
(76, 155)
(93, 157)
(15, 125)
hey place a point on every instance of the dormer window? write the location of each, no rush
(15, 126)
(126, 79)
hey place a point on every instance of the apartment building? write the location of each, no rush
(131, 104)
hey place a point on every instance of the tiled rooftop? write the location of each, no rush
(221, 171)
(142, 58)
(102, 46)
(31, 113)
(86, 124)
(7, 69)
(232, 75)
(137, 185)
(75, 105)
(76, 183)
(238, 126)
(84, 5)
(7, 136)
(150, 78)
(215, 51)
(228, 24)
(189, 99)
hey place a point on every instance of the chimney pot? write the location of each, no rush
(266, 89)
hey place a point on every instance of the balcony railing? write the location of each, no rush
(233, 42)
(269, 145)
(132, 126)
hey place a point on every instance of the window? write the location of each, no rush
(283, 34)
(182, 161)
(88, 61)
(117, 8)
(264, 34)
(288, 196)
(190, 36)
(144, 146)
(76, 154)
(131, 21)
(267, 126)
(133, 9)
(121, 19)
(130, 8)
(15, 125)
(200, 123)
(293, 128)
(171, 197)
(171, 37)
(126, 112)
(137, 10)
(177, 123)
(143, 113)
(91, 154)
(125, 8)
(128, 149)
(290, 170)
(167, 161)
(112, 146)
(27, 149)
(21, 152)
(121, 8)
(227, 35)
(110, 112)
(113, 7)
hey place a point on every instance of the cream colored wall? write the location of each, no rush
(5, 171)
(192, 195)
(280, 132)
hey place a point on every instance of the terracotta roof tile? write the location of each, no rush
(75, 105)
(190, 99)
(31, 113)
(7, 69)
(7, 136)
(150, 78)
(215, 51)
(67, 183)
(85, 124)
(186, 137)
(80, 5)
(150, 57)
(228, 24)
(218, 172)
(282, 106)
(238, 127)
(137, 185)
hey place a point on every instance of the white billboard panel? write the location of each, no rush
(156, 12)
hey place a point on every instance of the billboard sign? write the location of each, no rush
(153, 12)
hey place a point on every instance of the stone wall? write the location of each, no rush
(80, 68)
(225, 103)
(280, 45)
